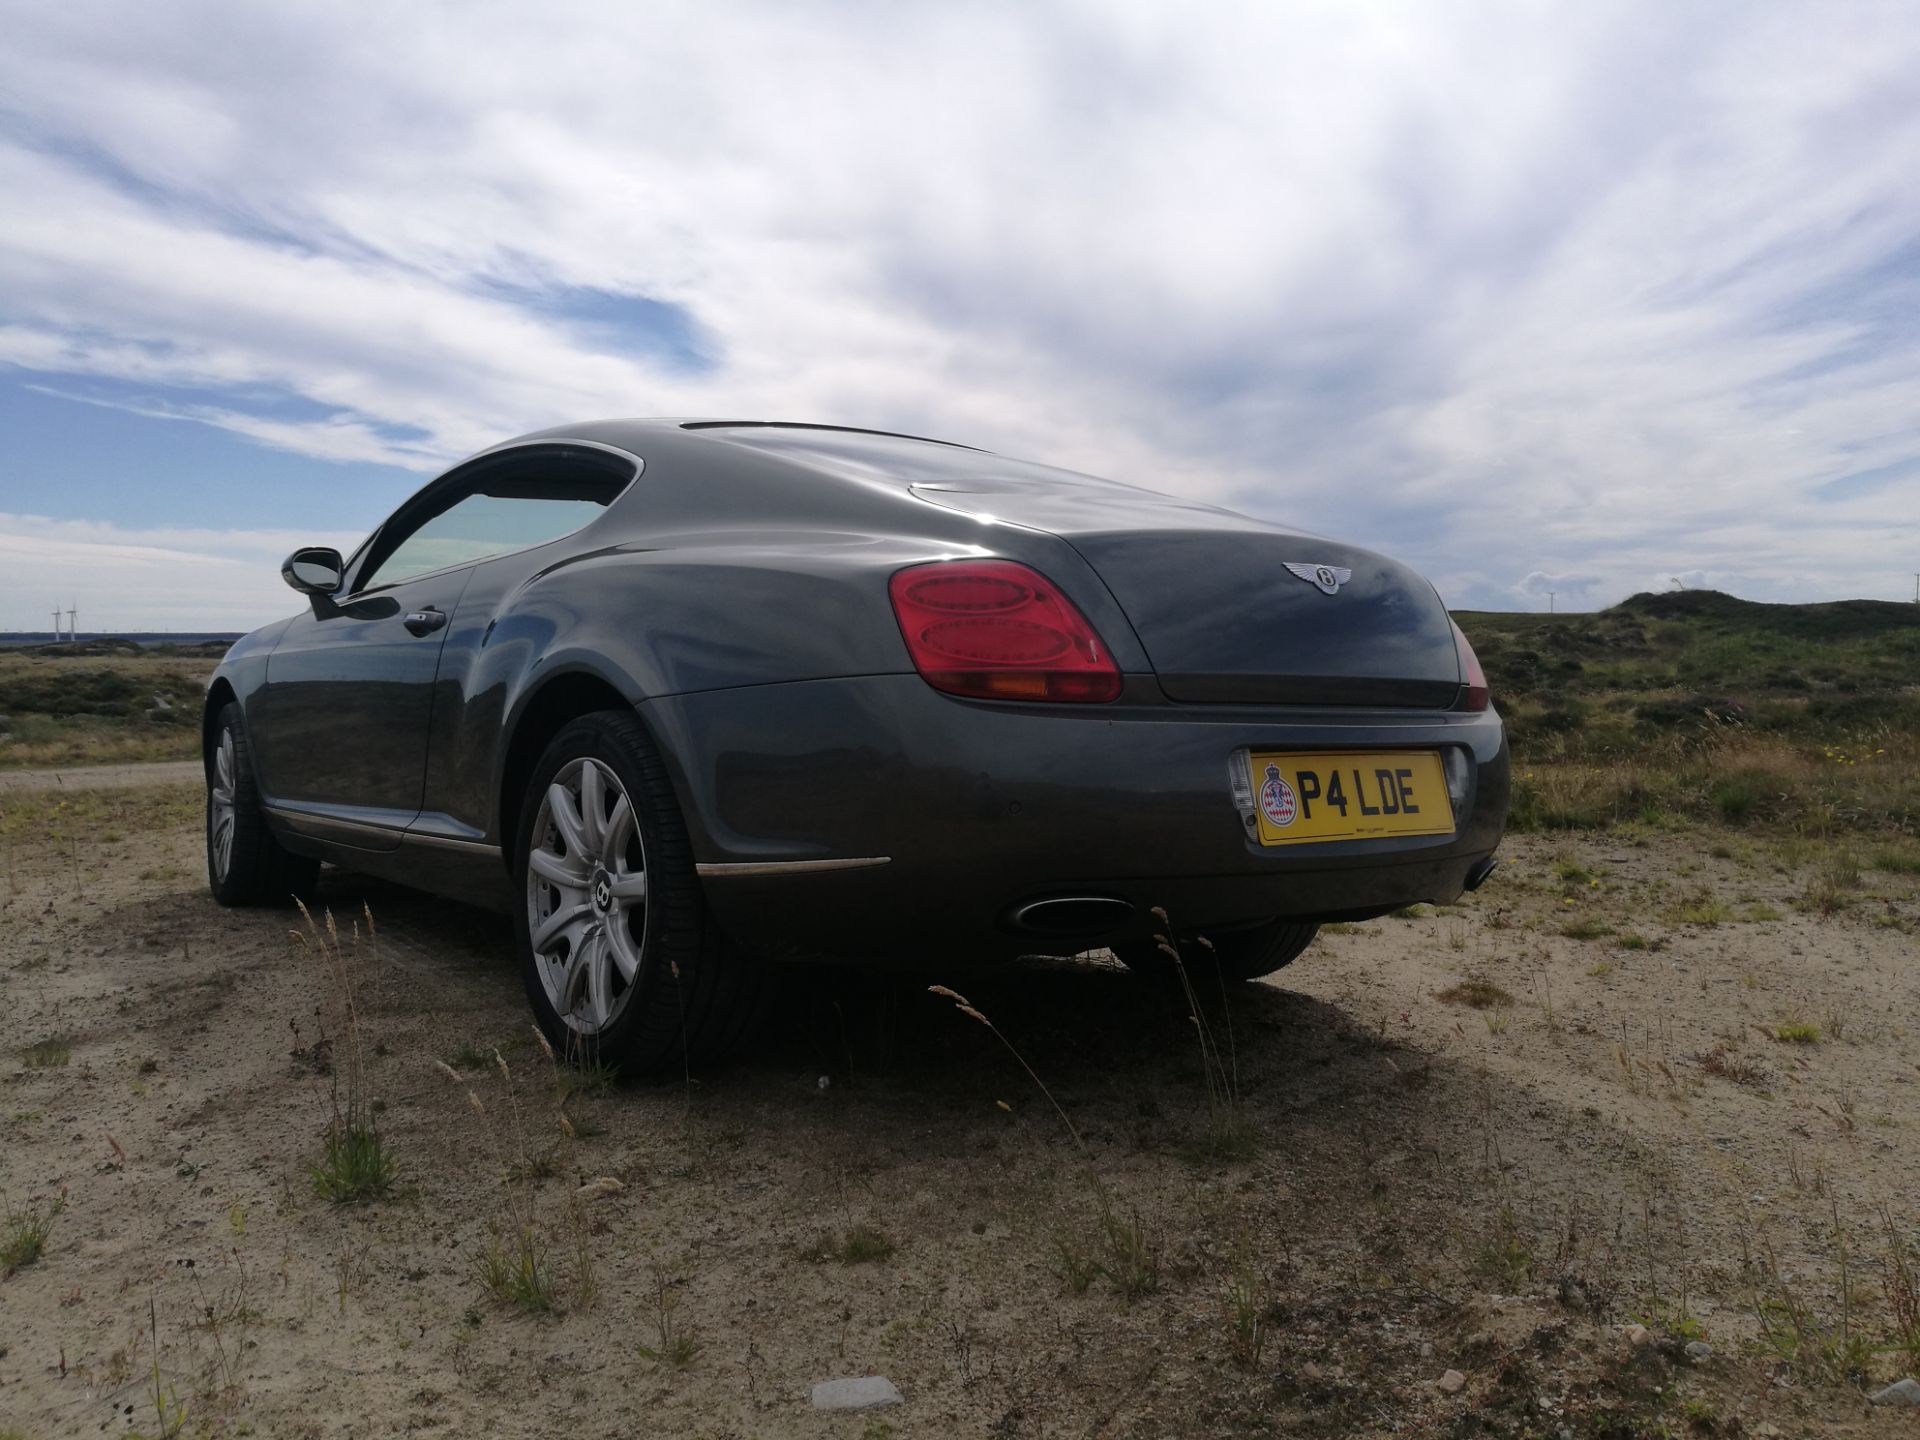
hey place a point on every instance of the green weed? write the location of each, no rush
(1824, 1342)
(1246, 1305)
(865, 1245)
(24, 1233)
(1502, 1258)
(355, 1167)
(514, 1270)
(46, 1054)
(676, 1343)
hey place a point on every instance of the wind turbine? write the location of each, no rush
(73, 615)
(56, 624)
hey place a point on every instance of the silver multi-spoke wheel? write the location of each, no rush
(587, 895)
(221, 811)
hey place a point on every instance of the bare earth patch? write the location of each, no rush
(1620, 1138)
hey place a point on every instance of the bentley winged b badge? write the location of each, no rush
(1327, 578)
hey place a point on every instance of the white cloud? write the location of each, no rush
(1505, 289)
(145, 579)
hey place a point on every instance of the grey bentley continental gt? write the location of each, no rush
(687, 697)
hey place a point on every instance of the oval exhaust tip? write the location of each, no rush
(1072, 915)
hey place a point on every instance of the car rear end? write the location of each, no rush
(1112, 701)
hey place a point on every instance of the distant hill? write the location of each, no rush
(1827, 620)
(1664, 661)
(200, 643)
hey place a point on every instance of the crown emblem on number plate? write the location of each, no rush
(1326, 578)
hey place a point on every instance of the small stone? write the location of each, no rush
(1426, 1349)
(1699, 1351)
(860, 1392)
(1637, 1334)
(1900, 1392)
(1452, 1383)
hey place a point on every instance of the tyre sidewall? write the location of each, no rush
(646, 1033)
(260, 871)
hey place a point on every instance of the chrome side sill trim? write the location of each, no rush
(449, 842)
(787, 867)
(320, 826)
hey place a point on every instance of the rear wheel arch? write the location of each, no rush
(555, 704)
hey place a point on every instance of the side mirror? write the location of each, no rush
(315, 570)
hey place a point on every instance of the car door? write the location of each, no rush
(341, 725)
(349, 704)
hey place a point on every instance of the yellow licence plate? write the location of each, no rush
(1350, 795)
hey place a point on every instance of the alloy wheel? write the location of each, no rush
(221, 812)
(587, 895)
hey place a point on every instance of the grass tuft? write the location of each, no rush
(514, 1271)
(46, 1054)
(1476, 994)
(1728, 1064)
(676, 1343)
(24, 1233)
(355, 1167)
(864, 1245)
(1502, 1258)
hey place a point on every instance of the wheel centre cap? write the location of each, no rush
(602, 891)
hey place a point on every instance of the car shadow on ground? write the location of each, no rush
(1087, 1026)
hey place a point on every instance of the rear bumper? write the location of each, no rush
(981, 808)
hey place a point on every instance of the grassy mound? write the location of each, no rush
(1701, 705)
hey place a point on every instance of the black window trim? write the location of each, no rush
(486, 459)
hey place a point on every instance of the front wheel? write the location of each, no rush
(245, 864)
(621, 962)
(1241, 954)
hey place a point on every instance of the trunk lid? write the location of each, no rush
(1221, 617)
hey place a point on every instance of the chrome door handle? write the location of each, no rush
(425, 622)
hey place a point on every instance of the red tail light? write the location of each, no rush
(1475, 696)
(997, 630)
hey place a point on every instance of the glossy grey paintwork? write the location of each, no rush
(342, 721)
(736, 595)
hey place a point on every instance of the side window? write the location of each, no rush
(503, 508)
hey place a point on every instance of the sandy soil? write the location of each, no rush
(1426, 1185)
(102, 777)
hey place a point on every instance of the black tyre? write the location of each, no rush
(1240, 954)
(245, 864)
(622, 964)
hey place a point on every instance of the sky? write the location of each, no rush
(1537, 297)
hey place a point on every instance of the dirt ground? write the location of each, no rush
(101, 777)
(1486, 1139)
